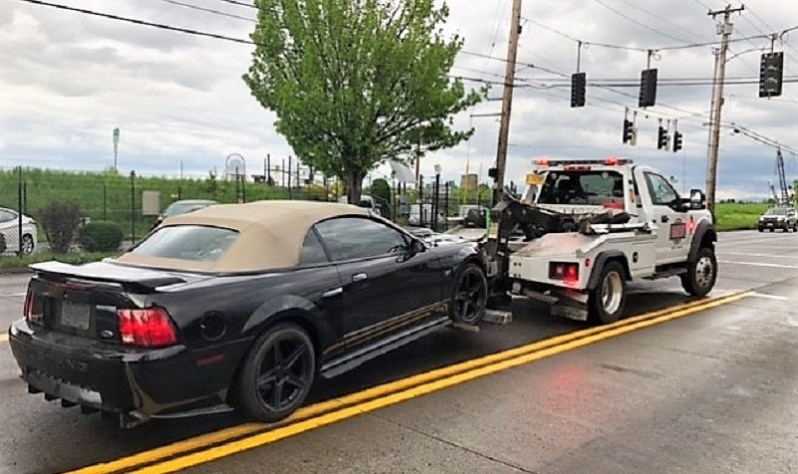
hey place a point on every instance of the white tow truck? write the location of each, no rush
(583, 229)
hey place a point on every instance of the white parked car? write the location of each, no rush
(9, 228)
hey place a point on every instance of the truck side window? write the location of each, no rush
(662, 193)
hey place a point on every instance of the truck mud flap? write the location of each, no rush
(570, 312)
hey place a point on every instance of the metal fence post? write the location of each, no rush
(19, 214)
(446, 206)
(290, 166)
(132, 206)
(421, 200)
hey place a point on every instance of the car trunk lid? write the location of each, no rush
(83, 300)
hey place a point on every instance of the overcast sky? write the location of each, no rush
(67, 79)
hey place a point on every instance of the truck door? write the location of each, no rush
(672, 227)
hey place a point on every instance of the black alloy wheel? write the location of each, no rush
(470, 294)
(277, 373)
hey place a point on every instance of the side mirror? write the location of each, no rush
(698, 199)
(697, 196)
(417, 246)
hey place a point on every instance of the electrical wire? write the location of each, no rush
(584, 42)
(208, 10)
(639, 23)
(661, 18)
(240, 4)
(140, 22)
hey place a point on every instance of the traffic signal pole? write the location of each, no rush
(507, 103)
(717, 100)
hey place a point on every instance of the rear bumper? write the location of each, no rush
(98, 375)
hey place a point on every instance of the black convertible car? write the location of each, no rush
(241, 305)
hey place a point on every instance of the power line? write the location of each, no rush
(624, 15)
(208, 10)
(140, 22)
(703, 4)
(240, 4)
(584, 42)
(661, 18)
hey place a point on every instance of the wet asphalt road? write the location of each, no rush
(712, 392)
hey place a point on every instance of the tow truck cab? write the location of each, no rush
(624, 213)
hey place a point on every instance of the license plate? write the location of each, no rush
(76, 315)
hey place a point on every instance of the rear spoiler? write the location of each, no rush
(107, 271)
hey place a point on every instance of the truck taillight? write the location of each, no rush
(149, 327)
(568, 272)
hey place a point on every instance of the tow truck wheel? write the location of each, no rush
(469, 295)
(608, 299)
(701, 273)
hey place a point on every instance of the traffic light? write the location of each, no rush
(578, 86)
(493, 173)
(648, 88)
(662, 139)
(771, 74)
(629, 132)
(677, 141)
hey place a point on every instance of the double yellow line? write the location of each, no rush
(210, 447)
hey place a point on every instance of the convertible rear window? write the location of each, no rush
(187, 242)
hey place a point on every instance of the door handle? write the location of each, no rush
(359, 277)
(333, 292)
(665, 219)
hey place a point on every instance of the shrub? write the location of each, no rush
(60, 220)
(100, 237)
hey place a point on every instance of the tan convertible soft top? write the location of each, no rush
(270, 234)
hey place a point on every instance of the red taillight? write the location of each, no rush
(148, 327)
(613, 205)
(568, 272)
(571, 273)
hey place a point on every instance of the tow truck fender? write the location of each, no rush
(598, 266)
(704, 231)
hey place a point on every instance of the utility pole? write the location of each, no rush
(507, 102)
(725, 30)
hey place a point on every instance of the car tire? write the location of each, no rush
(28, 245)
(702, 272)
(607, 300)
(277, 374)
(469, 295)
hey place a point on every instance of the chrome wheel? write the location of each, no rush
(611, 292)
(704, 272)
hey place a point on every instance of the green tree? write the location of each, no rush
(356, 82)
(380, 190)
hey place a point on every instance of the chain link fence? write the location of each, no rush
(60, 211)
